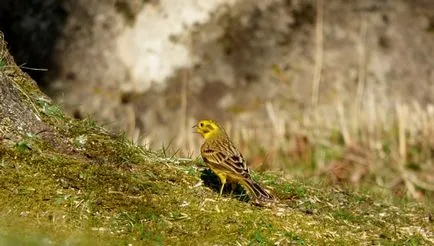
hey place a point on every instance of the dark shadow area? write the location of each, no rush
(212, 181)
(31, 29)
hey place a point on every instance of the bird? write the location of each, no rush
(224, 159)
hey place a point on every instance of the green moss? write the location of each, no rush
(99, 187)
(257, 238)
(49, 109)
(294, 191)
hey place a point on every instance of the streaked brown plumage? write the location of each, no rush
(220, 154)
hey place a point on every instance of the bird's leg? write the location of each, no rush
(233, 187)
(221, 189)
(223, 180)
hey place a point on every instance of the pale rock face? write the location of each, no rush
(152, 67)
(147, 48)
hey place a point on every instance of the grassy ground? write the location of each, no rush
(77, 184)
(101, 188)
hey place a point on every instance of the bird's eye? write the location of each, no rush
(201, 124)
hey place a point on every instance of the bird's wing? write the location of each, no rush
(226, 157)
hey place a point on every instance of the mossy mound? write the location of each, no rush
(102, 188)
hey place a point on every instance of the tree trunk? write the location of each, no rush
(20, 100)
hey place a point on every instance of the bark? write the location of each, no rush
(20, 100)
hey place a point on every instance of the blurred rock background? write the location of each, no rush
(338, 88)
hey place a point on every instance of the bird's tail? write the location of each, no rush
(258, 193)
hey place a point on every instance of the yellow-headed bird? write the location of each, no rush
(220, 154)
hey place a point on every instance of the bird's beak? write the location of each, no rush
(195, 131)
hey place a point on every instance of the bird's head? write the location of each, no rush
(208, 128)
